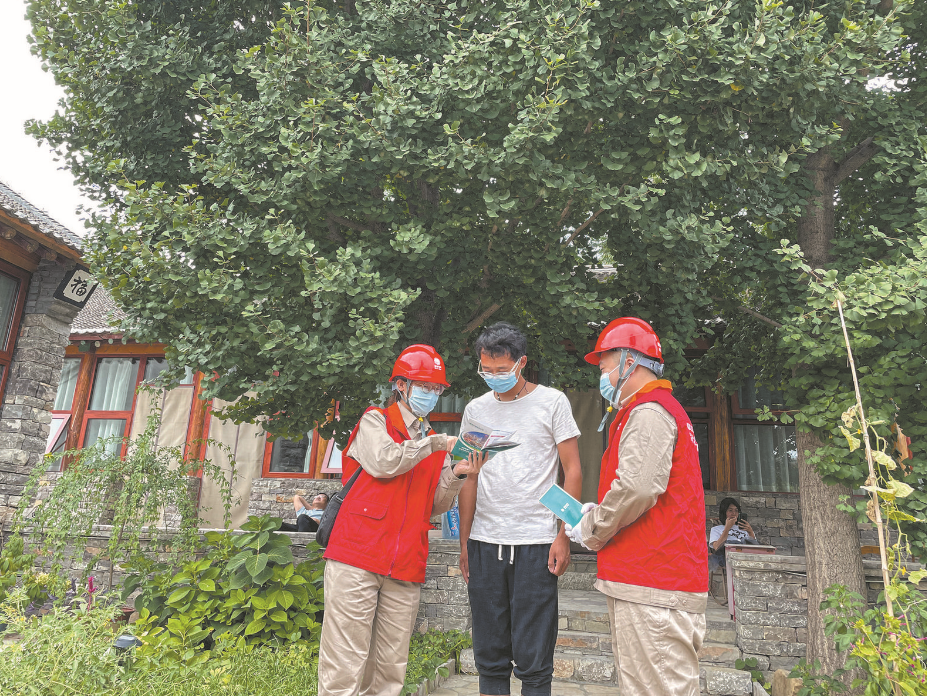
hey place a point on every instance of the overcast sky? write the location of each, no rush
(29, 92)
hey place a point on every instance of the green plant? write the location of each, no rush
(751, 665)
(245, 589)
(131, 492)
(427, 654)
(64, 652)
(17, 567)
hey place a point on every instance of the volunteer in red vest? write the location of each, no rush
(379, 544)
(649, 525)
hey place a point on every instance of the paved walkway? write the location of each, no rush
(466, 685)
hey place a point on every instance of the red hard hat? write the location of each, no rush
(627, 332)
(420, 363)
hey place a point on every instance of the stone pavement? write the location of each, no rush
(467, 685)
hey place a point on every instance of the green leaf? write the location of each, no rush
(255, 626)
(280, 555)
(256, 564)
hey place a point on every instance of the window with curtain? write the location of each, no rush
(112, 396)
(9, 296)
(13, 283)
(66, 384)
(765, 453)
(447, 414)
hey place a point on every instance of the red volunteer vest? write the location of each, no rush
(383, 524)
(665, 547)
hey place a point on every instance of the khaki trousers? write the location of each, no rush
(656, 648)
(366, 631)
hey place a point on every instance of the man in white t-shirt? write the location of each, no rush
(511, 550)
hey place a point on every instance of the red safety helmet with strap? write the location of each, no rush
(627, 332)
(420, 363)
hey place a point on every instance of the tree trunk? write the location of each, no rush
(831, 550)
(831, 537)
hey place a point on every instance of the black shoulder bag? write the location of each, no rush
(327, 523)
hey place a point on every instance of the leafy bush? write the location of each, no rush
(17, 568)
(130, 492)
(64, 652)
(245, 587)
(427, 654)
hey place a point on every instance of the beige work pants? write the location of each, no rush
(366, 631)
(656, 648)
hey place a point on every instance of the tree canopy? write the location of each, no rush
(299, 191)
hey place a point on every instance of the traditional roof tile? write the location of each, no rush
(18, 207)
(100, 315)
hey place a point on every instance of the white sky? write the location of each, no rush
(29, 92)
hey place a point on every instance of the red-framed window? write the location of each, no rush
(765, 452)
(109, 405)
(14, 284)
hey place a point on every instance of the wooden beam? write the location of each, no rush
(723, 475)
(195, 447)
(79, 403)
(28, 244)
(15, 255)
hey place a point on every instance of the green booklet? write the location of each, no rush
(480, 438)
(563, 505)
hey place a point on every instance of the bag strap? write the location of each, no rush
(347, 487)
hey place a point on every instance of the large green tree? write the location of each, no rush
(298, 192)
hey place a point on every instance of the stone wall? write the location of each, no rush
(33, 382)
(274, 496)
(771, 600)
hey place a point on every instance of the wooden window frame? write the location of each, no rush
(268, 454)
(6, 356)
(80, 411)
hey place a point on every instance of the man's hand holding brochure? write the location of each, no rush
(568, 509)
(483, 439)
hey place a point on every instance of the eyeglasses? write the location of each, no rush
(429, 387)
(489, 375)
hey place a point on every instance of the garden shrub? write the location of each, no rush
(17, 569)
(245, 587)
(427, 654)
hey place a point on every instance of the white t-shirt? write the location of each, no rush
(735, 536)
(508, 508)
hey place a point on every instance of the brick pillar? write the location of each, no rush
(25, 414)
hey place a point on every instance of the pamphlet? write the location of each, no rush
(483, 438)
(563, 505)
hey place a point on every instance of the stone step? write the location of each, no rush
(584, 642)
(719, 653)
(578, 607)
(723, 681)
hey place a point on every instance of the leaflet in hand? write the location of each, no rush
(563, 505)
(481, 438)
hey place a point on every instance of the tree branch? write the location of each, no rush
(855, 159)
(583, 226)
(350, 224)
(484, 315)
(753, 313)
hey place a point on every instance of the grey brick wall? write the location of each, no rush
(25, 414)
(274, 496)
(771, 599)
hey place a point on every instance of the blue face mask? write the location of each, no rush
(421, 403)
(501, 383)
(606, 387)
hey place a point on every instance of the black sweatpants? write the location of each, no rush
(513, 600)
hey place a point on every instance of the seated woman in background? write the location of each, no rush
(735, 530)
